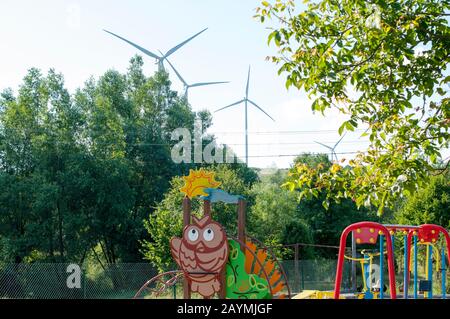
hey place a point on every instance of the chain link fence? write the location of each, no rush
(123, 280)
(315, 274)
(70, 281)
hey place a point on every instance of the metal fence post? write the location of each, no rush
(83, 273)
(296, 268)
(303, 276)
(175, 291)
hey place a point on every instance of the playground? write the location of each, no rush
(228, 150)
(214, 264)
(372, 261)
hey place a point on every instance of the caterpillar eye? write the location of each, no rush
(208, 234)
(193, 234)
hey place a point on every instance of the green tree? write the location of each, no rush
(326, 221)
(273, 219)
(273, 209)
(129, 119)
(298, 231)
(382, 64)
(38, 131)
(428, 205)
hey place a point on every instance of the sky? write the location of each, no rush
(67, 35)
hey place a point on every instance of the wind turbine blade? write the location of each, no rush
(206, 83)
(178, 74)
(330, 148)
(151, 54)
(339, 141)
(248, 82)
(254, 104)
(225, 107)
(175, 48)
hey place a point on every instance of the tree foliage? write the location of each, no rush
(382, 64)
(79, 172)
(326, 221)
(427, 206)
(273, 209)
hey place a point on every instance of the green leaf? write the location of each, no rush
(342, 128)
(271, 36)
(326, 204)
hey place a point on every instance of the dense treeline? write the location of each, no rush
(79, 173)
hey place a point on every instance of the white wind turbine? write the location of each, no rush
(246, 100)
(187, 86)
(332, 149)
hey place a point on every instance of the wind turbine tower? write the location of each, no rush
(246, 100)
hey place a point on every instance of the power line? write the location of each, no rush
(283, 132)
(237, 144)
(293, 155)
(221, 143)
(294, 143)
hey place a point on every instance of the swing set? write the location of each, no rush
(427, 235)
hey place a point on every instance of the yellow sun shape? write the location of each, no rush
(197, 181)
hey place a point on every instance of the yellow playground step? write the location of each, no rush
(315, 294)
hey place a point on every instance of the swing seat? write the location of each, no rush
(424, 286)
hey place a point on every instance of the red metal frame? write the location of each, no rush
(427, 233)
(173, 275)
(367, 232)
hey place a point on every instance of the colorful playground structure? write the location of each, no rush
(211, 262)
(371, 233)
